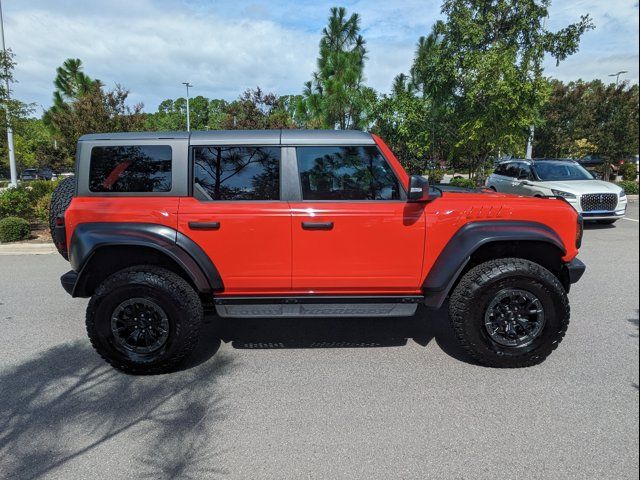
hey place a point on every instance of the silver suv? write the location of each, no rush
(596, 200)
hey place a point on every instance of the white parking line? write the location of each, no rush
(631, 219)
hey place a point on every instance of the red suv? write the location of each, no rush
(159, 226)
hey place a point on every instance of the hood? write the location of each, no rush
(582, 186)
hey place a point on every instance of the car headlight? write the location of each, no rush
(623, 194)
(560, 193)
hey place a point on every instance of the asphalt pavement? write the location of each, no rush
(323, 399)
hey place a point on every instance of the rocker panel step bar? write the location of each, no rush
(317, 306)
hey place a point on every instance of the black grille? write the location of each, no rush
(599, 202)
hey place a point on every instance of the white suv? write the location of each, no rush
(596, 200)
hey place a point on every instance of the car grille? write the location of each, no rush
(599, 202)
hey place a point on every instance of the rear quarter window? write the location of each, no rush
(130, 169)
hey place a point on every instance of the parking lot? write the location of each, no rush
(352, 398)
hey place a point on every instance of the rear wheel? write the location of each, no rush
(144, 320)
(509, 313)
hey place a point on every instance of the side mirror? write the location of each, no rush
(420, 191)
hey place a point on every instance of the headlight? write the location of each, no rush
(560, 193)
(623, 194)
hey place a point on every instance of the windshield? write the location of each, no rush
(561, 171)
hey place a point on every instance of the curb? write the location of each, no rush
(27, 249)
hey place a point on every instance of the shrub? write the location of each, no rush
(42, 208)
(630, 188)
(435, 176)
(16, 202)
(40, 188)
(462, 182)
(13, 229)
(628, 171)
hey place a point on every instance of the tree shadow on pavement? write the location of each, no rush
(66, 403)
(274, 333)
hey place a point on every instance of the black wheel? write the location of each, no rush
(509, 313)
(609, 221)
(60, 200)
(144, 320)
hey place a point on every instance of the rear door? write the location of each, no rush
(498, 179)
(353, 231)
(510, 178)
(235, 214)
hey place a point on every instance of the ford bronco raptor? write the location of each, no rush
(160, 227)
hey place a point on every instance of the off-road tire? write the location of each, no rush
(60, 200)
(472, 296)
(171, 292)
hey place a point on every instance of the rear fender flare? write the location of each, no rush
(88, 238)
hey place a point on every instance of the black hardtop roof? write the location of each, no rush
(247, 137)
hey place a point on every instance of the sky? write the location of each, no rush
(224, 47)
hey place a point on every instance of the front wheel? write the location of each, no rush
(509, 313)
(144, 320)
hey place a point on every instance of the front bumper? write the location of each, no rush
(619, 212)
(574, 270)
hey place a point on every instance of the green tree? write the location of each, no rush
(336, 96)
(494, 50)
(480, 73)
(590, 118)
(255, 109)
(94, 111)
(71, 82)
(13, 112)
(401, 119)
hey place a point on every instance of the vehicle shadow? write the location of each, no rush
(598, 226)
(63, 404)
(350, 332)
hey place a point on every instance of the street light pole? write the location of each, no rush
(617, 75)
(187, 84)
(12, 155)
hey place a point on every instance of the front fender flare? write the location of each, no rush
(457, 253)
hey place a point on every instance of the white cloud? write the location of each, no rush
(153, 53)
(224, 47)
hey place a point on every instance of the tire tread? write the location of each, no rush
(155, 277)
(479, 276)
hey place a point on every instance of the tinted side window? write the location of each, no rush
(501, 169)
(512, 170)
(237, 173)
(136, 168)
(346, 173)
(525, 171)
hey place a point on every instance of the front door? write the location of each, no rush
(353, 232)
(236, 216)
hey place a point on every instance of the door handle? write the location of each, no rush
(317, 225)
(204, 225)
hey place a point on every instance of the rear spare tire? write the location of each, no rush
(60, 200)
